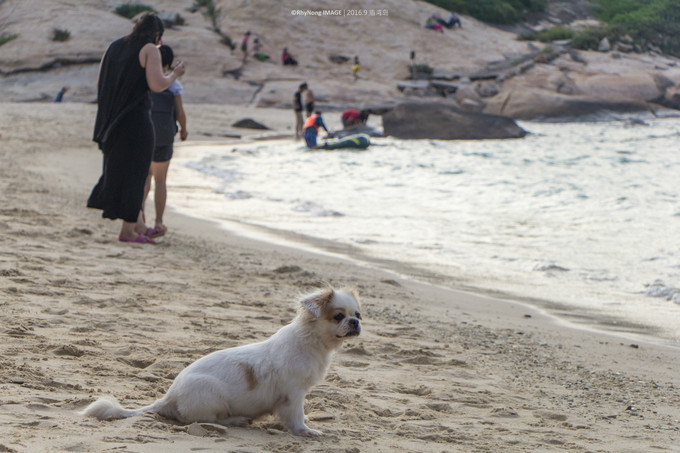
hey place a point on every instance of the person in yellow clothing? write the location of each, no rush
(355, 68)
(311, 129)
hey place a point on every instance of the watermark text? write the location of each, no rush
(340, 12)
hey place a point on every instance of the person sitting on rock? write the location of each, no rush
(311, 129)
(432, 24)
(454, 20)
(257, 51)
(287, 59)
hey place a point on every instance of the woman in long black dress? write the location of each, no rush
(129, 69)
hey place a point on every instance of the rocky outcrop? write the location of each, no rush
(249, 123)
(543, 104)
(591, 84)
(431, 120)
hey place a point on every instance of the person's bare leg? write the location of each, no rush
(147, 188)
(127, 231)
(140, 225)
(160, 194)
(135, 231)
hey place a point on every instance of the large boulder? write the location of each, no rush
(543, 104)
(249, 123)
(436, 120)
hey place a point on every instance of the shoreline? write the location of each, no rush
(579, 317)
(87, 316)
(589, 320)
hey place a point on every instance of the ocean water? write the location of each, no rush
(581, 219)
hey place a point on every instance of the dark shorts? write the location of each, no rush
(309, 107)
(162, 153)
(310, 136)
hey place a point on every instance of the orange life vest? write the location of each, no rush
(310, 122)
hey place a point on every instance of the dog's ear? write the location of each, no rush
(316, 302)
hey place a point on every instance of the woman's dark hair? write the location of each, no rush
(149, 28)
(167, 55)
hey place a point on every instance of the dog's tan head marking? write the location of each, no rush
(336, 314)
(317, 302)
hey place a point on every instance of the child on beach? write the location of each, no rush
(355, 68)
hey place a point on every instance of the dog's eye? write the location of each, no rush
(339, 317)
(358, 315)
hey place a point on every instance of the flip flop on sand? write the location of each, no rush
(155, 232)
(140, 239)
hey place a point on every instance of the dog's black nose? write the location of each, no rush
(354, 323)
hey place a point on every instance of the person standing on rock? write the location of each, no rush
(129, 70)
(355, 68)
(60, 95)
(244, 45)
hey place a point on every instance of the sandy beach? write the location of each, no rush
(84, 315)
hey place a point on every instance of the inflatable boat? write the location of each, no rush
(358, 141)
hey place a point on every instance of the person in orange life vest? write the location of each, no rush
(311, 129)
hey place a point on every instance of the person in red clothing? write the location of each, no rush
(353, 117)
(287, 59)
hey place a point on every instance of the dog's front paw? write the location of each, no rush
(307, 432)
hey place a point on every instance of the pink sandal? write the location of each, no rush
(140, 239)
(154, 232)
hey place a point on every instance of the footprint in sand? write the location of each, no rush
(504, 412)
(550, 415)
(418, 391)
(68, 350)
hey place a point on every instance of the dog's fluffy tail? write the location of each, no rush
(108, 408)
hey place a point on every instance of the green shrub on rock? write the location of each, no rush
(129, 10)
(59, 34)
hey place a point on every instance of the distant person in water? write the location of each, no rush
(287, 59)
(60, 95)
(312, 129)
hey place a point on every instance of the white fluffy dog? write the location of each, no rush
(235, 386)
